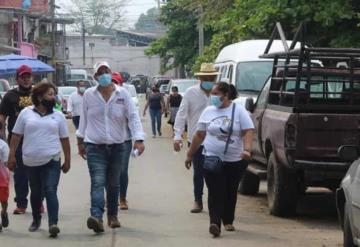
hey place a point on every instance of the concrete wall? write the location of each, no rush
(121, 58)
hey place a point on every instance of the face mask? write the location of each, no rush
(207, 85)
(215, 100)
(104, 80)
(49, 104)
(82, 89)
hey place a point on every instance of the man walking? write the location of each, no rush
(108, 112)
(74, 105)
(13, 102)
(195, 100)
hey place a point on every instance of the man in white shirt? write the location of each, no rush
(74, 105)
(108, 113)
(195, 100)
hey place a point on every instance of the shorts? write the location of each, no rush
(4, 194)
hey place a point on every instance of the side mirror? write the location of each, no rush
(249, 104)
(349, 153)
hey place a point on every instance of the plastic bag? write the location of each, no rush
(4, 176)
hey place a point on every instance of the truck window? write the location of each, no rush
(262, 99)
(230, 73)
(251, 76)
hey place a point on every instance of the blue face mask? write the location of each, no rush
(104, 80)
(215, 100)
(207, 85)
(82, 89)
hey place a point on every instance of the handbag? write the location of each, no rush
(214, 163)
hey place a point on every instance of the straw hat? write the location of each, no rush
(207, 69)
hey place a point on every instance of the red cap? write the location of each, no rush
(116, 77)
(23, 69)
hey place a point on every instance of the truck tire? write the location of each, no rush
(282, 189)
(348, 237)
(249, 184)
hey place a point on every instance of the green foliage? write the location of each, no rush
(149, 21)
(330, 23)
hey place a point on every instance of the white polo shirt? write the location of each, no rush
(42, 135)
(109, 122)
(75, 104)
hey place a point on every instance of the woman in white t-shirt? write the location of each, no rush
(214, 127)
(45, 134)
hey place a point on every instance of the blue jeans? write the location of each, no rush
(155, 115)
(21, 180)
(44, 181)
(105, 165)
(198, 178)
(76, 121)
(124, 177)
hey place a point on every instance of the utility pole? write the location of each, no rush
(83, 40)
(201, 31)
(53, 36)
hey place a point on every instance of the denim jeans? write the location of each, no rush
(76, 121)
(105, 165)
(155, 115)
(124, 177)
(198, 178)
(21, 180)
(44, 181)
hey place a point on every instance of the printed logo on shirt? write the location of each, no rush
(24, 101)
(220, 127)
(120, 101)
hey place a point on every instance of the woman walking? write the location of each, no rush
(156, 106)
(226, 131)
(45, 134)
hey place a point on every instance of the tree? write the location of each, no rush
(179, 46)
(98, 16)
(149, 21)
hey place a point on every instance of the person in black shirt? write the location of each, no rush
(174, 103)
(13, 102)
(156, 105)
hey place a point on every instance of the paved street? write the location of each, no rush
(160, 196)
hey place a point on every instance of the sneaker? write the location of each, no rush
(229, 227)
(198, 207)
(54, 231)
(4, 219)
(123, 204)
(95, 224)
(113, 221)
(20, 210)
(214, 230)
(35, 225)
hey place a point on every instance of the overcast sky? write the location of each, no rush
(133, 10)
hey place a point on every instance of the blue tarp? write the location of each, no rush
(9, 64)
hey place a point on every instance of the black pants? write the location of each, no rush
(222, 191)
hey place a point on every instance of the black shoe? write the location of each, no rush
(159, 133)
(198, 208)
(95, 224)
(214, 230)
(4, 220)
(54, 231)
(35, 225)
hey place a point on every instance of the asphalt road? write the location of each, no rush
(160, 197)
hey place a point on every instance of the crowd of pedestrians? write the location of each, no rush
(108, 129)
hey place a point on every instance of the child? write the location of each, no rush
(4, 183)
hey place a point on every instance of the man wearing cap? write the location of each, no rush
(13, 102)
(124, 176)
(195, 100)
(108, 113)
(74, 105)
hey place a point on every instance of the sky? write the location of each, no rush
(133, 10)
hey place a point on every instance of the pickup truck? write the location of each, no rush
(302, 115)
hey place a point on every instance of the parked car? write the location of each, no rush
(348, 197)
(182, 84)
(78, 74)
(73, 83)
(131, 89)
(65, 93)
(140, 82)
(302, 115)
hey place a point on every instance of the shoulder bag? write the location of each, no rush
(214, 163)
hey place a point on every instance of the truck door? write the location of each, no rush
(257, 116)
